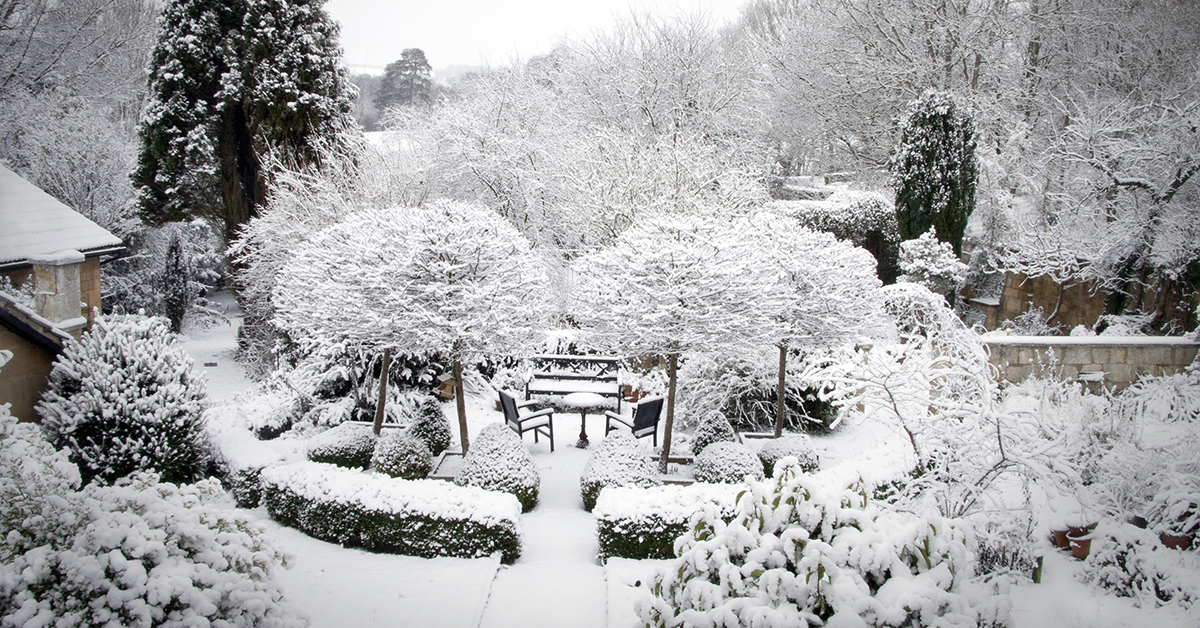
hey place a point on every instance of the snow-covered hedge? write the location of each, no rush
(124, 399)
(712, 428)
(349, 445)
(401, 455)
(634, 522)
(801, 554)
(431, 426)
(498, 461)
(424, 518)
(141, 553)
(238, 457)
(798, 446)
(619, 460)
(727, 463)
(1131, 562)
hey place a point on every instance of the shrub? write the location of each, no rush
(349, 445)
(1176, 506)
(798, 446)
(747, 395)
(799, 554)
(619, 460)
(238, 457)
(498, 461)
(868, 219)
(727, 463)
(431, 426)
(638, 523)
(425, 518)
(712, 428)
(125, 399)
(1130, 562)
(402, 455)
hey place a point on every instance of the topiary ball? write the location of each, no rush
(349, 445)
(799, 446)
(726, 463)
(498, 461)
(431, 426)
(712, 428)
(619, 460)
(402, 455)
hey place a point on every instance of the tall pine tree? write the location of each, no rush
(934, 171)
(405, 81)
(230, 80)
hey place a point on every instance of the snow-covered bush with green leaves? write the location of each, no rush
(635, 522)
(498, 461)
(349, 445)
(932, 263)
(726, 463)
(800, 553)
(125, 398)
(713, 427)
(402, 455)
(744, 387)
(1128, 561)
(1175, 508)
(140, 553)
(431, 425)
(619, 460)
(798, 446)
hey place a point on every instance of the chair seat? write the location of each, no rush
(534, 420)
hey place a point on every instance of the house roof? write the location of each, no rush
(26, 323)
(33, 223)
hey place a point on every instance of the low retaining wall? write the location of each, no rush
(1115, 361)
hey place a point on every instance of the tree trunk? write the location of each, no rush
(461, 404)
(780, 392)
(381, 404)
(672, 364)
(241, 187)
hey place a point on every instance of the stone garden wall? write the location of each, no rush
(1114, 361)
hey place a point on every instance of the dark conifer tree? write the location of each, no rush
(176, 289)
(405, 81)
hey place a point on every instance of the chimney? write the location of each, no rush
(56, 290)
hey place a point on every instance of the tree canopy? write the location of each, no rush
(405, 81)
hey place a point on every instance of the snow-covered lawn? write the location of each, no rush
(557, 581)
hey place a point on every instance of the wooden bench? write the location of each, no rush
(561, 375)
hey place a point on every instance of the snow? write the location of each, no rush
(32, 222)
(998, 338)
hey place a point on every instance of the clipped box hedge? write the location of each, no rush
(425, 518)
(634, 522)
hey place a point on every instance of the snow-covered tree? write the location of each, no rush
(176, 284)
(933, 264)
(230, 80)
(405, 81)
(670, 286)
(125, 398)
(449, 277)
(934, 171)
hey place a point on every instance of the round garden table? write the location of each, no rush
(583, 402)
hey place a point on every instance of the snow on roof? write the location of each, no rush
(33, 223)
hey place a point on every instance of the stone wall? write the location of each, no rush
(1113, 361)
(1082, 303)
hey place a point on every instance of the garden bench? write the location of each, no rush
(561, 375)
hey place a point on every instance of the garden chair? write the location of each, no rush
(539, 422)
(644, 419)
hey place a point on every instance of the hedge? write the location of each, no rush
(633, 522)
(424, 518)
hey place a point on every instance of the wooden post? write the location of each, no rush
(461, 403)
(672, 363)
(780, 406)
(381, 405)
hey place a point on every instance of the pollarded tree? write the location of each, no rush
(934, 171)
(405, 81)
(670, 286)
(229, 80)
(450, 277)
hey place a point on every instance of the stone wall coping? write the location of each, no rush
(1092, 341)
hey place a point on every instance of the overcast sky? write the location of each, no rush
(486, 32)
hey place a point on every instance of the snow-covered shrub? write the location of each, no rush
(402, 455)
(619, 460)
(798, 446)
(124, 399)
(932, 264)
(726, 463)
(744, 390)
(1166, 399)
(1175, 508)
(431, 425)
(498, 461)
(868, 219)
(635, 522)
(141, 553)
(713, 427)
(237, 456)
(1032, 322)
(426, 518)
(1128, 561)
(799, 553)
(349, 445)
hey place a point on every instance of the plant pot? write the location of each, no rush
(1080, 545)
(1176, 541)
(1060, 539)
(1139, 521)
(1082, 530)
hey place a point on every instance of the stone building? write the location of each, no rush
(50, 255)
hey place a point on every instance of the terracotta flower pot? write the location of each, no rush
(1176, 541)
(1080, 546)
(1060, 539)
(1082, 530)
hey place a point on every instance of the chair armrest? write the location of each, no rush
(526, 403)
(613, 416)
(531, 415)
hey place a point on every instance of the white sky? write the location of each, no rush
(487, 32)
